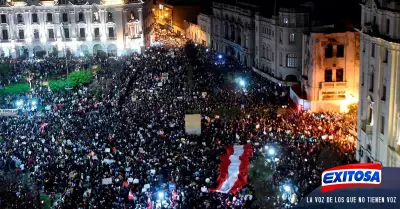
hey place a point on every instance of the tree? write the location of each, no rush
(260, 180)
(54, 52)
(353, 109)
(68, 53)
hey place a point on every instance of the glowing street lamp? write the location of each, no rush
(19, 103)
(271, 152)
(287, 188)
(34, 103)
(160, 195)
(242, 83)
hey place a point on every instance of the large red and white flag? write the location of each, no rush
(234, 169)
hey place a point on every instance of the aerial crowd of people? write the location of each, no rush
(126, 147)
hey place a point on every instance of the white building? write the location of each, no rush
(378, 109)
(200, 33)
(278, 40)
(331, 66)
(84, 28)
(233, 31)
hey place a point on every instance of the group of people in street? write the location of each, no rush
(126, 146)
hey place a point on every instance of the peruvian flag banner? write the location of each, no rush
(234, 169)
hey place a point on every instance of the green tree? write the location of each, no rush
(5, 71)
(58, 85)
(77, 78)
(19, 88)
(260, 180)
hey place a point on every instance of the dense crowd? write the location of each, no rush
(127, 147)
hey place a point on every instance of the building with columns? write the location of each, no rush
(378, 107)
(51, 27)
(233, 30)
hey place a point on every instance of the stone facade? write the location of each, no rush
(378, 109)
(233, 32)
(46, 27)
(278, 39)
(331, 70)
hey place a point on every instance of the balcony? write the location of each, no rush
(81, 39)
(366, 127)
(332, 85)
(112, 38)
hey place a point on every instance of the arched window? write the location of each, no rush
(268, 53)
(291, 60)
(285, 20)
(132, 15)
(110, 16)
(263, 51)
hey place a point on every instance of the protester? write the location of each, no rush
(127, 148)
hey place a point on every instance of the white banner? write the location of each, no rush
(193, 124)
(8, 112)
(106, 181)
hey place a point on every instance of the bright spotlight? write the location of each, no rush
(220, 56)
(271, 151)
(242, 83)
(34, 103)
(287, 188)
(19, 103)
(160, 195)
(206, 50)
(195, 44)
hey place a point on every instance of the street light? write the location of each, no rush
(242, 83)
(19, 103)
(271, 151)
(287, 188)
(160, 195)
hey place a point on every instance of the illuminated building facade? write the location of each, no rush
(49, 27)
(175, 13)
(200, 33)
(378, 109)
(330, 70)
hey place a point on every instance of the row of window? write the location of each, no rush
(386, 55)
(49, 17)
(329, 51)
(329, 75)
(374, 23)
(270, 32)
(286, 21)
(292, 37)
(291, 58)
(372, 85)
(66, 33)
